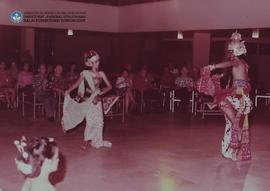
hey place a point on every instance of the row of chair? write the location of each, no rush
(197, 105)
(31, 100)
(206, 107)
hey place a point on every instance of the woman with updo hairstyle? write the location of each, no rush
(36, 159)
(88, 103)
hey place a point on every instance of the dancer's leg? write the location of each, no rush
(230, 113)
(89, 128)
(94, 126)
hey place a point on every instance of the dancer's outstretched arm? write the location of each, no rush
(222, 65)
(75, 85)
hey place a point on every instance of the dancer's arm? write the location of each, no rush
(107, 82)
(75, 85)
(221, 65)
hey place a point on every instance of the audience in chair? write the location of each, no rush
(57, 81)
(7, 86)
(25, 78)
(184, 85)
(124, 88)
(44, 93)
(72, 75)
(149, 92)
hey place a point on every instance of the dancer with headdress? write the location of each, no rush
(88, 104)
(234, 102)
(36, 160)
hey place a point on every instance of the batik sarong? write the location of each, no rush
(236, 140)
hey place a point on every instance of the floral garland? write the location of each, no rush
(21, 164)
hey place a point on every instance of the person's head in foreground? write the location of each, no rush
(36, 159)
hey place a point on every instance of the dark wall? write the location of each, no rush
(10, 43)
(56, 47)
(154, 48)
(116, 50)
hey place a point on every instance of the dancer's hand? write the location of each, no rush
(98, 92)
(212, 67)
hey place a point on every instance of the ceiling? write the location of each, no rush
(116, 2)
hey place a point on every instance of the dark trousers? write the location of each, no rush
(49, 102)
(185, 95)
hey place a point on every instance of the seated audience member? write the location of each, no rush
(57, 81)
(124, 88)
(6, 86)
(36, 160)
(13, 72)
(184, 85)
(4, 75)
(49, 69)
(72, 75)
(173, 69)
(44, 92)
(166, 82)
(25, 79)
(144, 86)
(195, 73)
(167, 78)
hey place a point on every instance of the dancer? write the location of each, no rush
(89, 107)
(37, 158)
(235, 102)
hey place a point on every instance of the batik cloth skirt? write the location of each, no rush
(75, 112)
(236, 140)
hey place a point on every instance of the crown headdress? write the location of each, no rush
(237, 46)
(23, 167)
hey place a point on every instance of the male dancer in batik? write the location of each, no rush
(235, 102)
(89, 108)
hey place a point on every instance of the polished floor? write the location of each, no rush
(151, 152)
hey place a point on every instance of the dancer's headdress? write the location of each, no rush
(237, 46)
(23, 161)
(89, 54)
(22, 166)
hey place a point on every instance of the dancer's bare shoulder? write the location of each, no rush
(101, 73)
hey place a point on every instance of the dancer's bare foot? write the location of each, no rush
(84, 146)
